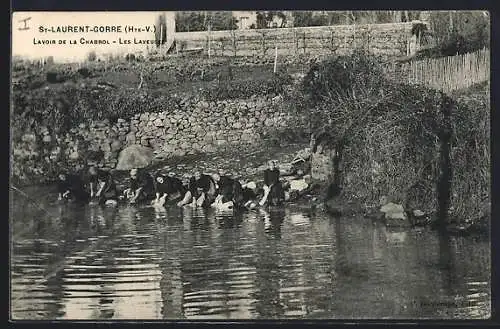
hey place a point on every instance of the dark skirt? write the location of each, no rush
(276, 195)
(144, 197)
(175, 197)
(111, 194)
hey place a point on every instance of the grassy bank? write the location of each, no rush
(391, 137)
(70, 94)
(178, 75)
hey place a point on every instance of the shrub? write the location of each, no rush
(387, 135)
(85, 72)
(470, 154)
(460, 31)
(392, 138)
(52, 77)
(130, 57)
(69, 105)
(91, 56)
(341, 76)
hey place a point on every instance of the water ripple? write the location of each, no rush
(141, 264)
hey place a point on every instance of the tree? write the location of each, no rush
(382, 16)
(319, 20)
(91, 56)
(221, 21)
(302, 18)
(282, 16)
(265, 19)
(189, 21)
(460, 31)
(335, 18)
(350, 17)
(161, 30)
(200, 21)
(261, 20)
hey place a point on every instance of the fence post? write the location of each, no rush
(331, 41)
(304, 41)
(208, 30)
(234, 43)
(354, 44)
(161, 38)
(295, 41)
(222, 47)
(275, 58)
(263, 42)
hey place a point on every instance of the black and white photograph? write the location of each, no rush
(250, 165)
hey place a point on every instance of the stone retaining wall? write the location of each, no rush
(198, 126)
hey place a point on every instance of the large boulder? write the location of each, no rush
(393, 211)
(115, 145)
(286, 168)
(134, 156)
(304, 154)
(298, 185)
(74, 155)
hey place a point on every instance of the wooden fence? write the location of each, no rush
(446, 73)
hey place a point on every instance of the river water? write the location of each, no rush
(88, 262)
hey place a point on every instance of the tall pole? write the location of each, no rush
(209, 40)
(451, 20)
(161, 36)
(275, 58)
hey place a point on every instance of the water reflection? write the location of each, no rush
(447, 262)
(273, 219)
(92, 262)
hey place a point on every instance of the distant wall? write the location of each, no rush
(391, 39)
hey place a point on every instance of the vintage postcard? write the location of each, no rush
(228, 165)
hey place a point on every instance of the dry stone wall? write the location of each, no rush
(196, 127)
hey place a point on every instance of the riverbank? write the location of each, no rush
(99, 111)
(245, 164)
(98, 121)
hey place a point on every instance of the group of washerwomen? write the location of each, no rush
(219, 190)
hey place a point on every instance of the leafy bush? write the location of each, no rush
(130, 57)
(342, 76)
(85, 72)
(390, 136)
(387, 134)
(52, 77)
(70, 105)
(460, 31)
(91, 56)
